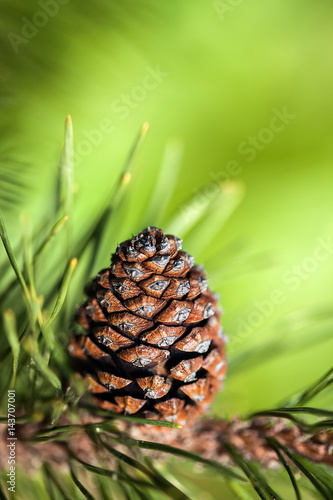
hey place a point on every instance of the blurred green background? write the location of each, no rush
(244, 90)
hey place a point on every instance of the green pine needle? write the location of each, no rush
(191, 212)
(2, 494)
(321, 480)
(12, 259)
(257, 480)
(67, 180)
(78, 483)
(63, 290)
(217, 212)
(162, 483)
(167, 176)
(125, 176)
(275, 445)
(12, 336)
(53, 480)
(164, 448)
(30, 345)
(311, 392)
(49, 238)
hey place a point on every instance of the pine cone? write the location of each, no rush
(153, 345)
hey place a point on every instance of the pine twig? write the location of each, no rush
(208, 438)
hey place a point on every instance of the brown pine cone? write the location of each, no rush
(153, 345)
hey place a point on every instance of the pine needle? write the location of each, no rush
(63, 290)
(112, 474)
(316, 388)
(11, 333)
(78, 483)
(264, 491)
(162, 483)
(125, 176)
(12, 259)
(31, 347)
(164, 448)
(167, 176)
(54, 231)
(66, 181)
(52, 477)
(2, 494)
(322, 481)
(190, 213)
(285, 464)
(220, 209)
(95, 235)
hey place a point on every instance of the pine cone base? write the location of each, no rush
(153, 345)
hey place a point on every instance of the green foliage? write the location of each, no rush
(34, 360)
(227, 68)
(215, 96)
